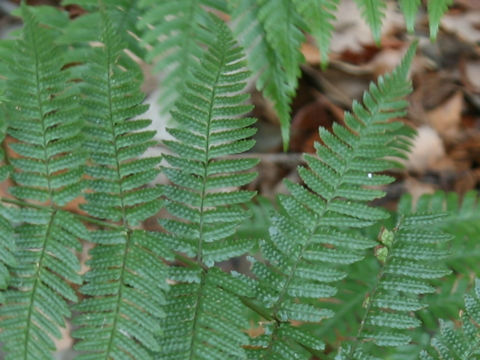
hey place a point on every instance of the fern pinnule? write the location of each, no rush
(410, 10)
(48, 167)
(459, 343)
(207, 207)
(436, 9)
(126, 282)
(176, 30)
(309, 245)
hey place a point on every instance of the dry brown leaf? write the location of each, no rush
(464, 25)
(446, 118)
(427, 151)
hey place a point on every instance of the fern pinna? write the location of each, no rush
(43, 109)
(205, 316)
(459, 343)
(126, 282)
(309, 244)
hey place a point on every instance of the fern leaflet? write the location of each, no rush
(205, 215)
(48, 169)
(126, 282)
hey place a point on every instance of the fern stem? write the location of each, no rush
(207, 161)
(36, 276)
(198, 306)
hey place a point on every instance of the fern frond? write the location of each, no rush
(410, 10)
(319, 17)
(126, 282)
(176, 30)
(206, 213)
(436, 9)
(42, 105)
(373, 11)
(309, 243)
(463, 224)
(459, 343)
(411, 255)
(272, 57)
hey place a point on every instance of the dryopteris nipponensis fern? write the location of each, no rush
(126, 282)
(43, 110)
(205, 316)
(459, 343)
(73, 128)
(309, 245)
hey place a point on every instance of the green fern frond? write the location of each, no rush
(177, 31)
(319, 17)
(410, 10)
(44, 120)
(126, 282)
(373, 11)
(463, 343)
(436, 9)
(309, 245)
(272, 56)
(206, 213)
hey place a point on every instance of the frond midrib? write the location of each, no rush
(125, 225)
(37, 283)
(202, 207)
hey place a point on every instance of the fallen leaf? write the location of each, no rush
(464, 25)
(446, 118)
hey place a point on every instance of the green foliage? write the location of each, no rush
(459, 343)
(205, 215)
